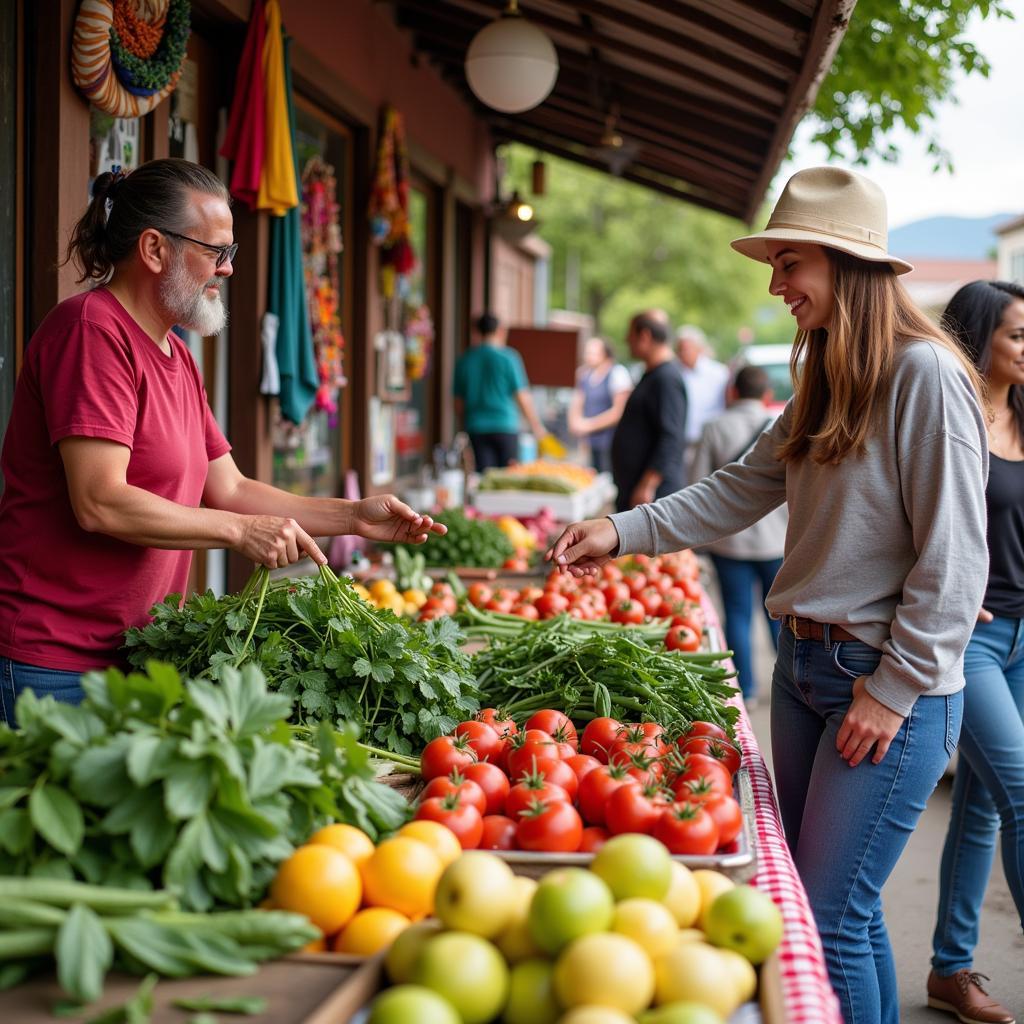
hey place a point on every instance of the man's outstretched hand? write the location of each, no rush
(385, 518)
(584, 547)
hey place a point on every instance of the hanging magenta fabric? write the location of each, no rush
(245, 140)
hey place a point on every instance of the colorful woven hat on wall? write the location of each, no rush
(126, 55)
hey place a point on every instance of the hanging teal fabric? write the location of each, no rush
(287, 296)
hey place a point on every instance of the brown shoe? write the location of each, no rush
(962, 994)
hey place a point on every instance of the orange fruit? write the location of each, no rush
(370, 931)
(316, 946)
(347, 839)
(402, 874)
(320, 882)
(441, 839)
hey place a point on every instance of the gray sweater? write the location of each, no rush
(890, 545)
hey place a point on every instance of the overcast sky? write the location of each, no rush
(984, 133)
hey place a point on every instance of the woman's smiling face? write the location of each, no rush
(802, 276)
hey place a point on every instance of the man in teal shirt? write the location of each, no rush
(490, 389)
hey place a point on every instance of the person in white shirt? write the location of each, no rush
(706, 380)
(748, 560)
(602, 389)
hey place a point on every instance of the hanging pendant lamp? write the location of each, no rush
(511, 65)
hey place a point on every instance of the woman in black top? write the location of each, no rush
(988, 792)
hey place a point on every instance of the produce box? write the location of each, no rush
(348, 1006)
(568, 508)
(297, 991)
(739, 863)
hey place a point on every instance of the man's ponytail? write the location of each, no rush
(155, 195)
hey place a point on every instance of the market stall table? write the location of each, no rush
(806, 991)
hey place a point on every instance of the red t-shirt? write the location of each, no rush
(67, 596)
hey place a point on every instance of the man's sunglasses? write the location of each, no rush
(225, 253)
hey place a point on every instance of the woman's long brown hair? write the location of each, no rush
(847, 370)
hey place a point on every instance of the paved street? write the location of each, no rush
(911, 895)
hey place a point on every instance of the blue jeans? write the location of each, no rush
(988, 791)
(848, 826)
(737, 579)
(16, 676)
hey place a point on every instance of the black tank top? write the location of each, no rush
(1005, 499)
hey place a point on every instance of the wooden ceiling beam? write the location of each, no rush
(729, 43)
(730, 76)
(730, 109)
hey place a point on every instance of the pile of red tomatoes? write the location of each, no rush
(629, 591)
(547, 788)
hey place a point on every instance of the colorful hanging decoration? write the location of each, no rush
(321, 247)
(126, 55)
(389, 206)
(419, 343)
(258, 138)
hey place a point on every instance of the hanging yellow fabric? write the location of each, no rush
(278, 190)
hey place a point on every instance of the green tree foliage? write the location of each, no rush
(631, 249)
(898, 61)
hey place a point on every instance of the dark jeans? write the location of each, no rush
(738, 578)
(988, 791)
(16, 677)
(494, 451)
(848, 826)
(601, 459)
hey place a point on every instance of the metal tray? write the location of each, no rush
(739, 863)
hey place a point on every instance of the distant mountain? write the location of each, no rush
(948, 238)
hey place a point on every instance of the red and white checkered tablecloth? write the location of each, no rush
(806, 991)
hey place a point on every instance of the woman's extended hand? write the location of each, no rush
(386, 518)
(584, 547)
(868, 723)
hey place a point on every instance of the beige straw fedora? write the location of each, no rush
(829, 206)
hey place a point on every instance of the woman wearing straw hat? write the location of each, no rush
(882, 457)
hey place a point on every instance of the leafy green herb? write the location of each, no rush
(137, 1010)
(469, 542)
(198, 787)
(601, 674)
(402, 684)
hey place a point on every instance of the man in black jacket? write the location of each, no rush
(648, 444)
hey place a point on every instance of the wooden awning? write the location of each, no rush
(702, 96)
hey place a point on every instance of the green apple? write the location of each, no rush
(531, 994)
(476, 893)
(405, 1003)
(568, 903)
(595, 1015)
(746, 920)
(514, 940)
(406, 948)
(634, 865)
(695, 972)
(467, 971)
(681, 1013)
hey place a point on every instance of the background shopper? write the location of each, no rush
(602, 388)
(706, 381)
(749, 560)
(111, 446)
(987, 317)
(881, 455)
(490, 390)
(648, 442)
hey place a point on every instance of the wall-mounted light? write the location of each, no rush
(511, 65)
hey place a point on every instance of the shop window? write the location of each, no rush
(414, 418)
(309, 457)
(113, 141)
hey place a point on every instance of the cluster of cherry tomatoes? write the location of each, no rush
(546, 788)
(629, 591)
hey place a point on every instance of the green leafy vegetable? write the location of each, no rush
(198, 787)
(469, 542)
(402, 684)
(223, 1004)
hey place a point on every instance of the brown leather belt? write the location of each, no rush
(808, 629)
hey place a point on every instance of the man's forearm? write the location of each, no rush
(525, 400)
(137, 516)
(320, 517)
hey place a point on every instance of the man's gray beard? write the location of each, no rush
(188, 305)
